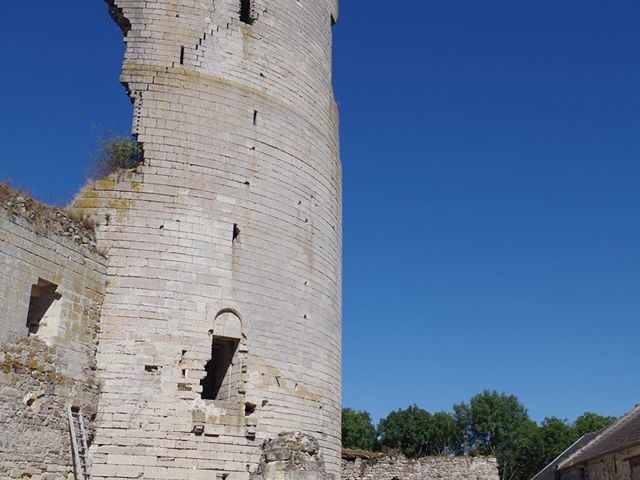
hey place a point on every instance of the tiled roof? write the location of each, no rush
(625, 433)
(549, 472)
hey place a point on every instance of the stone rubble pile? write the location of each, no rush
(47, 219)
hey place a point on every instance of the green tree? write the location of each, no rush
(462, 444)
(442, 434)
(406, 430)
(495, 418)
(517, 453)
(491, 423)
(552, 437)
(358, 431)
(500, 426)
(591, 422)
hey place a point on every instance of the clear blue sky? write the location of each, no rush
(491, 155)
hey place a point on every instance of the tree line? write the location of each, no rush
(491, 423)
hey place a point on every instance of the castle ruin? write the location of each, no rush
(199, 318)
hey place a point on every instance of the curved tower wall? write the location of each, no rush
(231, 230)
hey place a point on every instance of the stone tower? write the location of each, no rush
(221, 325)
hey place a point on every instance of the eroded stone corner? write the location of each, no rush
(291, 456)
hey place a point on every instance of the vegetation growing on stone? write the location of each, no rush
(48, 219)
(115, 153)
(491, 423)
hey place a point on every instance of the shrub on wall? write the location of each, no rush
(113, 154)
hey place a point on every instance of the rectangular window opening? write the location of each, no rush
(42, 304)
(181, 55)
(220, 383)
(255, 117)
(246, 12)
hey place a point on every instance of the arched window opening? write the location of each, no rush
(223, 370)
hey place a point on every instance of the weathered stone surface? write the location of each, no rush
(224, 247)
(291, 456)
(623, 464)
(45, 220)
(43, 373)
(398, 467)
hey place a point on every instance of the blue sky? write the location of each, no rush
(491, 171)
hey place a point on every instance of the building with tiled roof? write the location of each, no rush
(549, 472)
(612, 454)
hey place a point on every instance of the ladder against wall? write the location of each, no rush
(79, 446)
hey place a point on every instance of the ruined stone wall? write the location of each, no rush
(44, 372)
(430, 468)
(234, 219)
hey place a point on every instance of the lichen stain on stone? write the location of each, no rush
(247, 40)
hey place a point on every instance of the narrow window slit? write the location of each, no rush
(246, 12)
(255, 117)
(236, 232)
(182, 55)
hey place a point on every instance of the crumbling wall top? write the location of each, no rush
(48, 220)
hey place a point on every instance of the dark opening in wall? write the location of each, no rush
(249, 409)
(236, 232)
(118, 16)
(246, 12)
(255, 117)
(43, 298)
(218, 383)
(181, 55)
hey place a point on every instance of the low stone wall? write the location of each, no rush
(51, 291)
(397, 467)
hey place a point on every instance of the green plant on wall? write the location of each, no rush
(115, 153)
